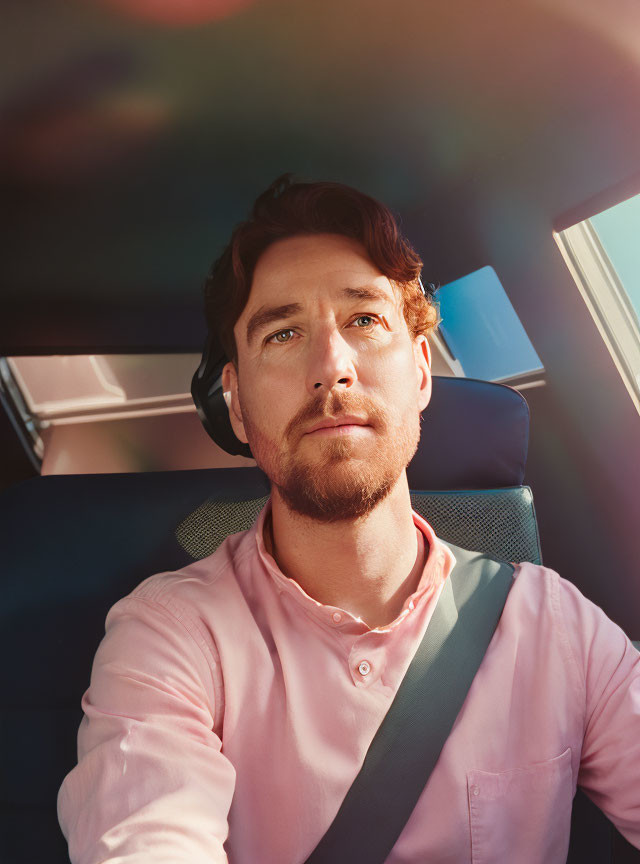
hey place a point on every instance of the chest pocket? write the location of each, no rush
(522, 815)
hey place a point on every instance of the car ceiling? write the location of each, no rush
(136, 134)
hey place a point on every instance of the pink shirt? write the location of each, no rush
(229, 713)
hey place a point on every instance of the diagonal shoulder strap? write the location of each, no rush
(407, 745)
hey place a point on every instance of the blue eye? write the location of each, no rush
(274, 338)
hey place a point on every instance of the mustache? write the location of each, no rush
(321, 408)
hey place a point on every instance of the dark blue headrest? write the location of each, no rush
(475, 435)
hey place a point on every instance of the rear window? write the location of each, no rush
(483, 331)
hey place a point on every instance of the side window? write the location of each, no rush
(603, 256)
(618, 230)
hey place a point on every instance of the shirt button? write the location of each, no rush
(411, 605)
(476, 790)
(364, 668)
(337, 617)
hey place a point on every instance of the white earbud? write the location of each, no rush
(227, 397)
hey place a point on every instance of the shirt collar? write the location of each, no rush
(439, 564)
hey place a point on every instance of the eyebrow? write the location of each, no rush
(268, 314)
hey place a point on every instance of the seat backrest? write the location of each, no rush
(72, 545)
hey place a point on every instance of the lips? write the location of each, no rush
(332, 422)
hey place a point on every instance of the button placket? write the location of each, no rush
(366, 660)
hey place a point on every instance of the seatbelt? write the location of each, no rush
(409, 741)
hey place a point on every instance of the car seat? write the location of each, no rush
(72, 545)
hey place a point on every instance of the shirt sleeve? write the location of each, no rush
(609, 668)
(151, 783)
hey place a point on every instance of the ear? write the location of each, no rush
(422, 353)
(230, 393)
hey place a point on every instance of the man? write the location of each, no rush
(233, 701)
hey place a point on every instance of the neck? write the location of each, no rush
(368, 566)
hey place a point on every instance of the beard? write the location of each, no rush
(336, 482)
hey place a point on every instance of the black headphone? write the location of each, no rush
(206, 391)
(207, 394)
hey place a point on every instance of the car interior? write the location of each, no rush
(137, 134)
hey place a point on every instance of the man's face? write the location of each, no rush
(333, 352)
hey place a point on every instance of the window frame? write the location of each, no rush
(605, 298)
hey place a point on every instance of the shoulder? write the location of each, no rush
(593, 643)
(190, 593)
(540, 590)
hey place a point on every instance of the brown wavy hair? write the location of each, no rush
(287, 209)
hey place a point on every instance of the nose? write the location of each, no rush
(331, 362)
